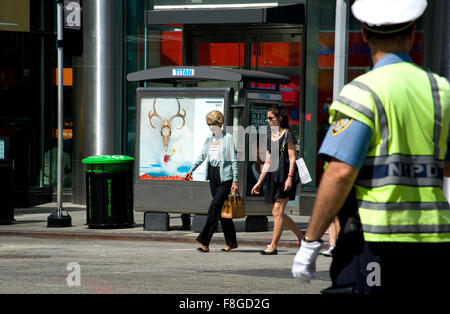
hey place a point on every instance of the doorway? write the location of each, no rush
(274, 48)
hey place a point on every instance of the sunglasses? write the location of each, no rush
(270, 118)
(212, 124)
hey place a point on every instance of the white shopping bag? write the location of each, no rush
(303, 171)
(446, 189)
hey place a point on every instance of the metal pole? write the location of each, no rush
(60, 101)
(59, 217)
(97, 89)
(340, 47)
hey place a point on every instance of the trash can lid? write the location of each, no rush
(107, 159)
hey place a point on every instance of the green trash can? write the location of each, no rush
(109, 191)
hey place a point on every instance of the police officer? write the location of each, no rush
(388, 150)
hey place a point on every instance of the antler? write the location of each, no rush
(178, 114)
(154, 114)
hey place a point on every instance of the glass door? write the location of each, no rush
(219, 47)
(267, 48)
(274, 49)
(281, 53)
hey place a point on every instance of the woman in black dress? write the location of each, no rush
(278, 194)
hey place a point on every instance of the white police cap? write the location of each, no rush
(388, 12)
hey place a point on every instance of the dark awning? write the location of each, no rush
(290, 14)
(195, 74)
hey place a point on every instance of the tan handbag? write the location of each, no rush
(234, 206)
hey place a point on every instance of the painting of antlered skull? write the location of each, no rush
(172, 133)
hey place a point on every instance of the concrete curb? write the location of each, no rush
(140, 237)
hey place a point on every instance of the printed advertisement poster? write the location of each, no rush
(172, 133)
(257, 118)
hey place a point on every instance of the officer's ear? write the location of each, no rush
(364, 34)
(412, 36)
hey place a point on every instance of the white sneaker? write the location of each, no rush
(329, 252)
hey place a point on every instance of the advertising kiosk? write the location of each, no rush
(171, 130)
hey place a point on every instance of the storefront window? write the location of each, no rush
(283, 58)
(136, 59)
(28, 89)
(221, 54)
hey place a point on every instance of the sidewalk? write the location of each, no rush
(32, 222)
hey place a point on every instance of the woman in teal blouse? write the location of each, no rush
(220, 154)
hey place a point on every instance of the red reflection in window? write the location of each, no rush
(221, 54)
(276, 54)
(171, 48)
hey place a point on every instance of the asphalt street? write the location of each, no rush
(52, 266)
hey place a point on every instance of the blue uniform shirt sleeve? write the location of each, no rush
(347, 140)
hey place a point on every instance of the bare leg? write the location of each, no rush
(278, 223)
(333, 230)
(288, 222)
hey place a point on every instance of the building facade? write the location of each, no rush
(117, 37)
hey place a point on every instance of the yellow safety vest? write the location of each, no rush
(399, 187)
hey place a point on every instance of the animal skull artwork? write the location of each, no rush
(166, 125)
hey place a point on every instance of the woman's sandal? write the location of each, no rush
(229, 248)
(274, 252)
(203, 250)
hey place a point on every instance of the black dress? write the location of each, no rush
(275, 190)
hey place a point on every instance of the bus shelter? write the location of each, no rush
(171, 130)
